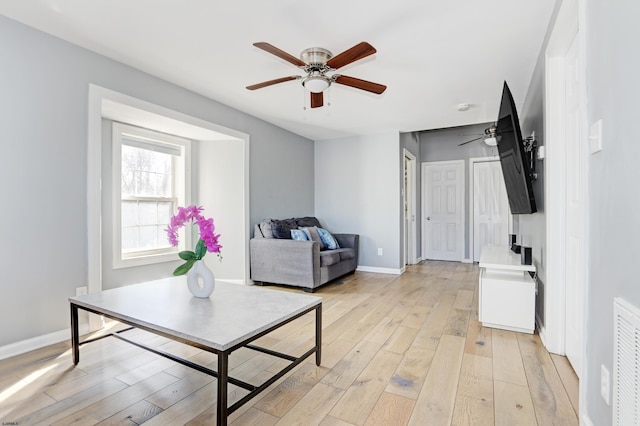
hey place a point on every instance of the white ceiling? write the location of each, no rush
(431, 54)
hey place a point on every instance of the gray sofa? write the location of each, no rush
(277, 258)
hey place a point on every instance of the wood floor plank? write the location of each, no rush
(569, 379)
(474, 400)
(350, 367)
(390, 409)
(75, 403)
(362, 395)
(169, 395)
(408, 378)
(429, 335)
(136, 414)
(289, 392)
(550, 400)
(513, 405)
(507, 359)
(478, 341)
(313, 407)
(255, 417)
(436, 400)
(118, 401)
(400, 340)
(381, 332)
(416, 317)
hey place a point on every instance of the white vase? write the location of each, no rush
(200, 280)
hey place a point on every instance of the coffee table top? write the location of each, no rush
(233, 313)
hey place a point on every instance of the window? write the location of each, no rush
(149, 182)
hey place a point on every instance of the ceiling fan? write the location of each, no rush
(489, 136)
(317, 62)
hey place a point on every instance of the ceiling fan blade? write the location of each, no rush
(317, 100)
(359, 51)
(472, 140)
(279, 53)
(271, 82)
(361, 84)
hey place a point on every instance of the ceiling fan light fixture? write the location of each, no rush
(316, 84)
(491, 141)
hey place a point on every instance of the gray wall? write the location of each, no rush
(613, 82)
(613, 79)
(442, 145)
(43, 114)
(531, 228)
(357, 188)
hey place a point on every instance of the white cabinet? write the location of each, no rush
(507, 291)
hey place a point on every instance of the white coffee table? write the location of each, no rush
(233, 317)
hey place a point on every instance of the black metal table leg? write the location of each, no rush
(223, 376)
(318, 334)
(75, 343)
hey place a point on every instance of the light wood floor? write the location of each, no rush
(397, 350)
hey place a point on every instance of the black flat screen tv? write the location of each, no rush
(514, 159)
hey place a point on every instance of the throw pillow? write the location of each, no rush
(313, 235)
(298, 235)
(307, 221)
(328, 240)
(282, 228)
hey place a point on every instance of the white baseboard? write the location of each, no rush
(380, 270)
(584, 418)
(28, 345)
(467, 261)
(241, 282)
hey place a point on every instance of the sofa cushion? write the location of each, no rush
(346, 253)
(329, 257)
(299, 235)
(327, 239)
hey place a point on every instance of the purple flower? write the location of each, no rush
(192, 213)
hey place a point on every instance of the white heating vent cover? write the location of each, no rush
(626, 363)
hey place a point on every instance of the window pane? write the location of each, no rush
(148, 214)
(129, 213)
(163, 239)
(165, 211)
(146, 173)
(148, 237)
(129, 238)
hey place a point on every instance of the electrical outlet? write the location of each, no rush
(80, 291)
(379, 251)
(604, 383)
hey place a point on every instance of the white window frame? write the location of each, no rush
(182, 189)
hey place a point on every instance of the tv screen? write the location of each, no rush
(513, 158)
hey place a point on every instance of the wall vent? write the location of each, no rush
(626, 363)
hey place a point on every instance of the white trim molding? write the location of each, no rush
(377, 270)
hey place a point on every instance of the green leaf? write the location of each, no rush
(187, 255)
(201, 249)
(184, 268)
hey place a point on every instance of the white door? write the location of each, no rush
(491, 214)
(575, 208)
(443, 192)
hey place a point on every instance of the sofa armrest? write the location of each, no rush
(348, 241)
(285, 261)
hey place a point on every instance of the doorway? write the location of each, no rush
(491, 220)
(443, 210)
(409, 211)
(565, 189)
